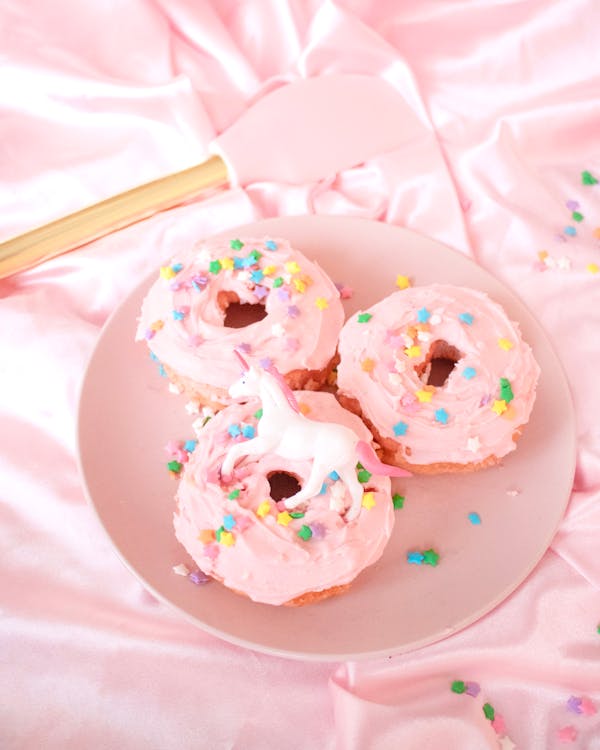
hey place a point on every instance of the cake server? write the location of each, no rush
(301, 132)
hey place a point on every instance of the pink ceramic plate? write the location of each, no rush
(127, 415)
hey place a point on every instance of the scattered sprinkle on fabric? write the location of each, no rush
(488, 711)
(415, 558)
(198, 577)
(364, 317)
(398, 501)
(474, 518)
(566, 734)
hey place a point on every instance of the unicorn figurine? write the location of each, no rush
(285, 431)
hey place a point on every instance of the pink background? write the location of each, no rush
(97, 97)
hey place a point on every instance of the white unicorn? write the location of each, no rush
(285, 431)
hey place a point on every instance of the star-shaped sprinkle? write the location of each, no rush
(214, 266)
(283, 518)
(269, 270)
(305, 532)
(488, 711)
(167, 273)
(473, 689)
(398, 501)
(576, 216)
(587, 178)
(293, 311)
(257, 275)
(304, 407)
(198, 577)
(234, 494)
(458, 686)
(423, 315)
(236, 244)
(505, 344)
(263, 509)
(234, 430)
(367, 364)
(570, 231)
(299, 285)
(474, 518)
(178, 315)
(228, 521)
(277, 282)
(499, 407)
(248, 431)
(292, 267)
(563, 263)
(431, 557)
(441, 415)
(174, 466)
(498, 724)
(592, 268)
(227, 264)
(368, 500)
(473, 444)
(402, 282)
(413, 351)
(567, 734)
(424, 396)
(321, 303)
(469, 373)
(400, 429)
(466, 318)
(319, 530)
(506, 393)
(270, 245)
(363, 476)
(574, 705)
(415, 558)
(587, 707)
(364, 317)
(227, 539)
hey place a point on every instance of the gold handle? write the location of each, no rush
(62, 235)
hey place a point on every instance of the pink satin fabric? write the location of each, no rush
(97, 97)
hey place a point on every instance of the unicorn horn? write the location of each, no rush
(242, 361)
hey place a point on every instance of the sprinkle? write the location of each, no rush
(265, 363)
(258, 414)
(238, 263)
(505, 344)
(424, 396)
(254, 257)
(346, 292)
(234, 430)
(570, 231)
(363, 476)
(277, 282)
(413, 351)
(415, 558)
(270, 245)
(441, 415)
(157, 325)
(322, 491)
(398, 501)
(257, 276)
(234, 494)
(181, 570)
(592, 268)
(574, 705)
(178, 315)
(304, 408)
(587, 707)
(227, 264)
(167, 273)
(293, 311)
(260, 292)
(364, 317)
(244, 348)
(206, 536)
(162, 372)
(236, 244)
(474, 518)
(149, 334)
(214, 266)
(588, 179)
(318, 530)
(402, 282)
(211, 551)
(499, 407)
(198, 577)
(505, 390)
(368, 500)
(367, 364)
(498, 725)
(305, 532)
(469, 373)
(173, 447)
(567, 734)
(292, 267)
(400, 429)
(473, 689)
(431, 557)
(263, 509)
(297, 514)
(190, 445)
(423, 315)
(488, 711)
(248, 431)
(269, 270)
(466, 318)
(283, 518)
(175, 466)
(572, 205)
(596, 233)
(227, 538)
(228, 522)
(283, 295)
(321, 303)
(576, 216)
(458, 686)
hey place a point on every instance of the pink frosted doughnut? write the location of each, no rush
(237, 534)
(184, 317)
(471, 420)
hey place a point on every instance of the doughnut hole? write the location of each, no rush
(440, 361)
(239, 314)
(283, 484)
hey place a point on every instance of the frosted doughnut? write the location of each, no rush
(184, 317)
(470, 421)
(239, 535)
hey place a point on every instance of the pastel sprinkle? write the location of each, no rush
(318, 530)
(214, 266)
(364, 317)
(367, 364)
(270, 245)
(413, 351)
(402, 282)
(297, 514)
(469, 373)
(299, 285)
(415, 558)
(283, 295)
(265, 363)
(441, 415)
(368, 500)
(488, 711)
(322, 491)
(473, 689)
(234, 430)
(258, 414)
(162, 372)
(157, 325)
(257, 276)
(505, 390)
(167, 273)
(321, 303)
(431, 557)
(576, 216)
(248, 431)
(177, 267)
(283, 518)
(572, 205)
(206, 536)
(505, 344)
(466, 318)
(263, 509)
(574, 705)
(234, 494)
(567, 734)
(190, 445)
(260, 292)
(254, 256)
(239, 263)
(423, 315)
(178, 315)
(277, 282)
(236, 244)
(400, 429)
(227, 264)
(292, 267)
(499, 725)
(424, 396)
(293, 311)
(596, 233)
(269, 270)
(458, 686)
(587, 178)
(398, 501)
(198, 577)
(227, 538)
(474, 518)
(228, 521)
(499, 407)
(587, 707)
(592, 268)
(174, 466)
(333, 475)
(305, 532)
(570, 231)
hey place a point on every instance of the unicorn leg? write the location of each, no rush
(238, 450)
(348, 476)
(310, 489)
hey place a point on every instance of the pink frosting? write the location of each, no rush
(268, 561)
(184, 325)
(461, 423)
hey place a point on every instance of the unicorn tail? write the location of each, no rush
(368, 458)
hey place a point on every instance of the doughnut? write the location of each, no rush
(239, 531)
(440, 375)
(260, 296)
